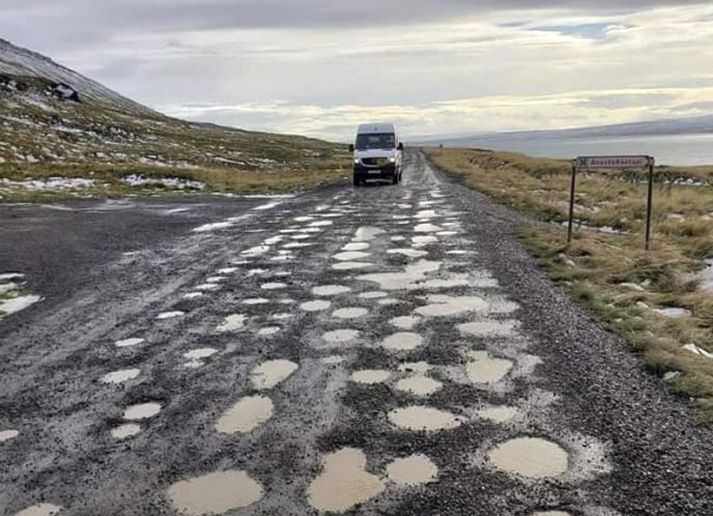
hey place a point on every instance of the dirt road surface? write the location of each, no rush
(381, 350)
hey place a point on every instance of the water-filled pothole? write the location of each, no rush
(6, 435)
(142, 411)
(402, 341)
(420, 418)
(122, 376)
(41, 509)
(530, 457)
(350, 313)
(245, 415)
(501, 414)
(488, 370)
(344, 482)
(419, 385)
(370, 376)
(315, 306)
(271, 373)
(126, 343)
(232, 323)
(215, 493)
(340, 336)
(448, 306)
(412, 471)
(330, 290)
(125, 431)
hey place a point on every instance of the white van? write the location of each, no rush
(377, 153)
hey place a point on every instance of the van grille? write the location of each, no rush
(375, 161)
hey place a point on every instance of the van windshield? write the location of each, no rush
(376, 141)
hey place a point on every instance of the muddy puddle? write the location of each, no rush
(6, 435)
(344, 482)
(367, 233)
(370, 376)
(271, 373)
(442, 306)
(122, 376)
(340, 336)
(419, 418)
(419, 385)
(245, 415)
(350, 313)
(125, 431)
(402, 341)
(412, 471)
(498, 414)
(530, 457)
(215, 493)
(330, 290)
(141, 411)
(127, 343)
(484, 369)
(315, 306)
(232, 323)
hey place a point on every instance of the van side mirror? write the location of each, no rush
(351, 147)
(401, 146)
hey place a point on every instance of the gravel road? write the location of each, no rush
(380, 350)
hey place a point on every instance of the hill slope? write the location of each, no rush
(54, 119)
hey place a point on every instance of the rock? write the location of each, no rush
(698, 351)
(671, 375)
(65, 92)
(632, 286)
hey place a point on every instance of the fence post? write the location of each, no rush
(649, 203)
(573, 182)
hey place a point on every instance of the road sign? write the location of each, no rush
(611, 162)
(599, 162)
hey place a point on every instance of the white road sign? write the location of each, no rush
(614, 161)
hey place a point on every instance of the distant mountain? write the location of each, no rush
(51, 114)
(697, 125)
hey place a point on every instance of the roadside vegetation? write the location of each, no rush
(42, 136)
(660, 302)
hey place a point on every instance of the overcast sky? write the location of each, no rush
(319, 67)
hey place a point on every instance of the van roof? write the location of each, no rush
(378, 127)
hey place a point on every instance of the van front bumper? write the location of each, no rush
(385, 172)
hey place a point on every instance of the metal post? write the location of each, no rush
(649, 203)
(573, 182)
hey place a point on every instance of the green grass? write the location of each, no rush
(599, 268)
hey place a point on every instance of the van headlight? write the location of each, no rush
(356, 161)
(392, 159)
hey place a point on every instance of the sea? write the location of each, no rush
(679, 149)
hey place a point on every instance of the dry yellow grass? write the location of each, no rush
(611, 272)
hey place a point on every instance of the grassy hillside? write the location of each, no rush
(42, 135)
(658, 301)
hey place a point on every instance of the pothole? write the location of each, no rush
(245, 415)
(169, 315)
(271, 373)
(215, 493)
(407, 322)
(267, 331)
(122, 376)
(356, 246)
(41, 509)
(315, 306)
(419, 385)
(340, 336)
(344, 482)
(409, 252)
(6, 435)
(376, 294)
(273, 286)
(449, 306)
(232, 323)
(487, 370)
(419, 418)
(127, 343)
(330, 290)
(350, 256)
(498, 414)
(402, 341)
(350, 313)
(489, 328)
(141, 411)
(370, 376)
(530, 457)
(367, 233)
(412, 471)
(125, 431)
